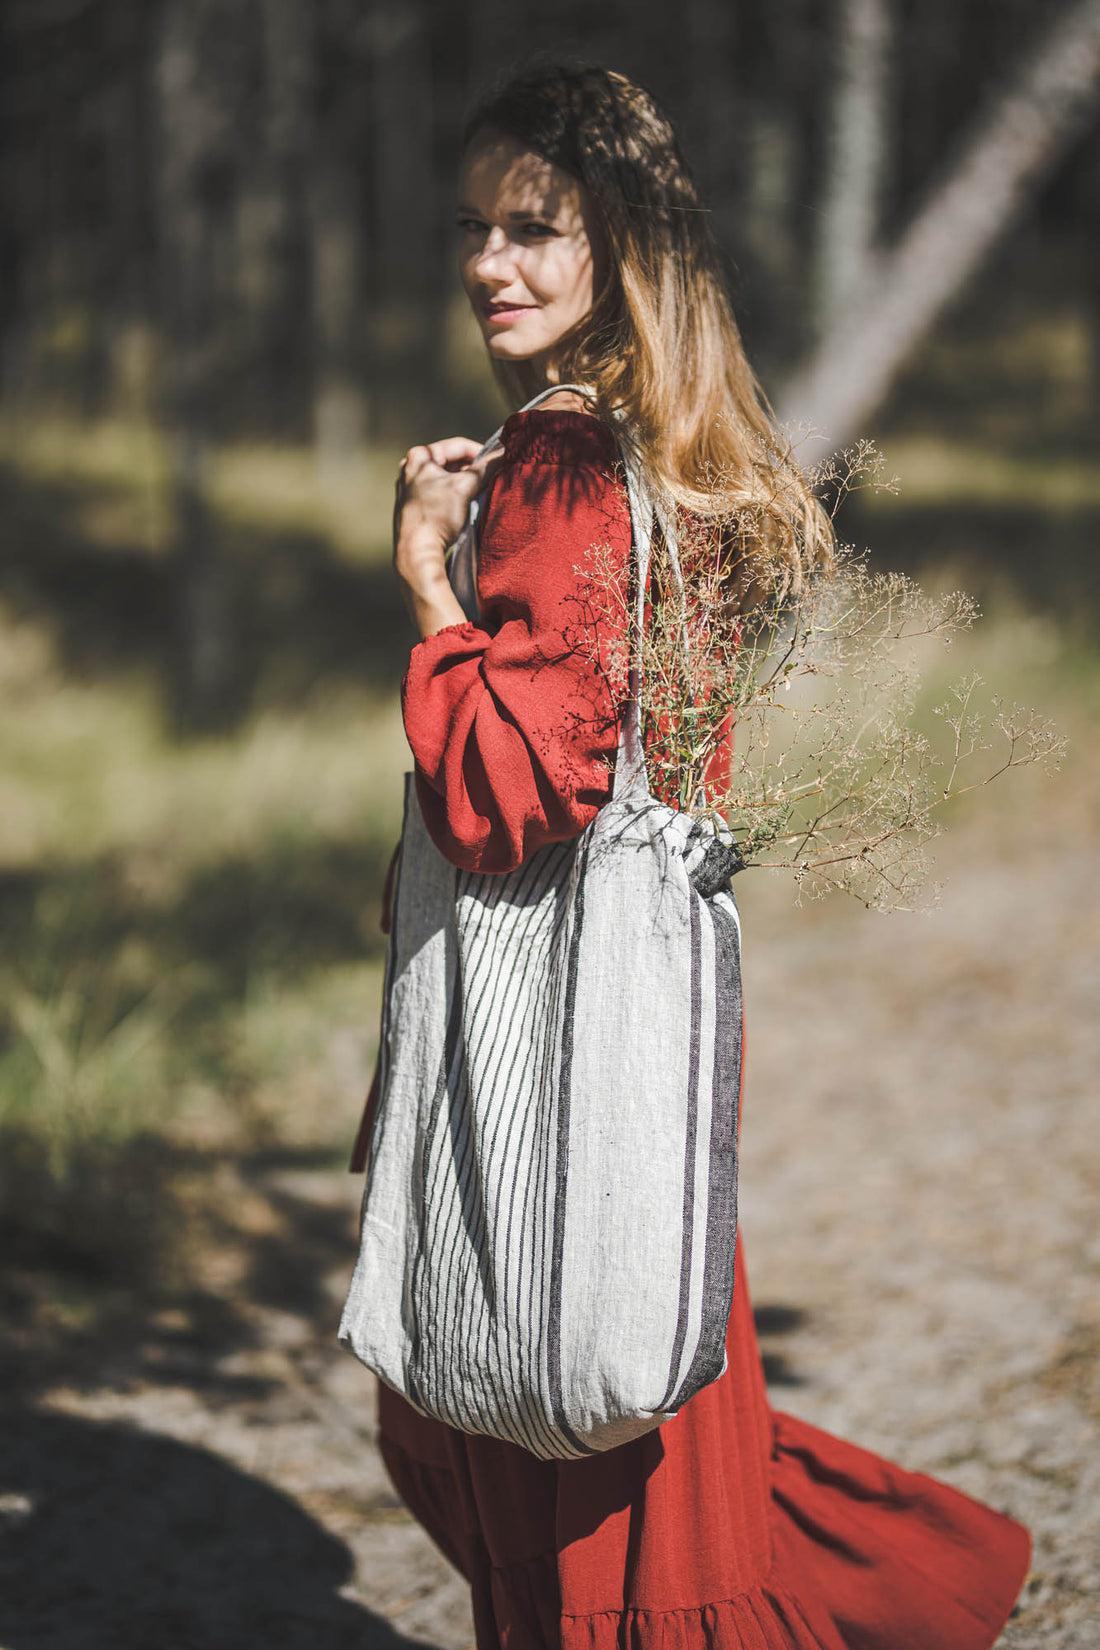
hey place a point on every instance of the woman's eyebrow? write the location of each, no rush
(463, 210)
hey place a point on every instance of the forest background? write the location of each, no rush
(228, 305)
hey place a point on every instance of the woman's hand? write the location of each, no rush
(434, 489)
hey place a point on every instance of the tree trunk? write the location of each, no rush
(311, 138)
(407, 340)
(1014, 146)
(497, 37)
(189, 136)
(713, 108)
(771, 141)
(339, 402)
(272, 238)
(855, 156)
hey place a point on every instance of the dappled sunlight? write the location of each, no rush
(123, 469)
(192, 957)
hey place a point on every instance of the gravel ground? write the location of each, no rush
(917, 1187)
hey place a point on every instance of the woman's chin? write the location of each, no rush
(503, 347)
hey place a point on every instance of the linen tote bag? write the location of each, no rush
(549, 1219)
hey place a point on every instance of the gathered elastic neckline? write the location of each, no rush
(558, 435)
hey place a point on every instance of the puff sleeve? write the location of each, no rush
(513, 722)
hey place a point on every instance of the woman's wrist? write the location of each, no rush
(419, 557)
(421, 570)
(432, 604)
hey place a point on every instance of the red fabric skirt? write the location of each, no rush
(732, 1526)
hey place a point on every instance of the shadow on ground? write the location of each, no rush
(195, 1247)
(114, 1539)
(774, 1320)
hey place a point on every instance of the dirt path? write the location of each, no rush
(919, 1186)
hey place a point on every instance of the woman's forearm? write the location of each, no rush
(420, 569)
(433, 609)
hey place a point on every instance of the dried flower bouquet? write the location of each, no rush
(814, 675)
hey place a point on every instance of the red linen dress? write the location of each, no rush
(733, 1526)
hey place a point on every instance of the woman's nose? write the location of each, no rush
(495, 260)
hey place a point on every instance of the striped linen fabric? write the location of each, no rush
(549, 1220)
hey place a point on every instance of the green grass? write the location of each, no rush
(190, 956)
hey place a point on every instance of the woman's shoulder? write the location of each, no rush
(559, 490)
(564, 430)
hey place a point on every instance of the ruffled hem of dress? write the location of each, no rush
(894, 1560)
(865, 1556)
(764, 1618)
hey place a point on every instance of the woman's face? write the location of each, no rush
(528, 246)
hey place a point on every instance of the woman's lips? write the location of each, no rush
(503, 313)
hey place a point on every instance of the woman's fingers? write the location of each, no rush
(487, 465)
(456, 464)
(453, 452)
(456, 450)
(434, 488)
(415, 460)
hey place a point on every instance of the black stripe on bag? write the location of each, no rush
(501, 1013)
(539, 1436)
(421, 1203)
(463, 1316)
(691, 1129)
(452, 1152)
(721, 1241)
(553, 1321)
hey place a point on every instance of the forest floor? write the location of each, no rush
(917, 1193)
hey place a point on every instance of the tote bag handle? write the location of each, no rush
(462, 556)
(462, 571)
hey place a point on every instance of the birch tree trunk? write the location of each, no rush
(1013, 147)
(855, 158)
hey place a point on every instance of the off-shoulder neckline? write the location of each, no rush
(558, 435)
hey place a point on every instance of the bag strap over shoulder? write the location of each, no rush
(462, 557)
(644, 510)
(630, 761)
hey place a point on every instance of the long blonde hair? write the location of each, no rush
(660, 347)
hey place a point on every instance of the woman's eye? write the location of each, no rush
(538, 231)
(472, 226)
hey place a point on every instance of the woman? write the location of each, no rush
(587, 260)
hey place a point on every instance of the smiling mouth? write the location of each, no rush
(507, 312)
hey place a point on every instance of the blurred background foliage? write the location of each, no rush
(227, 307)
